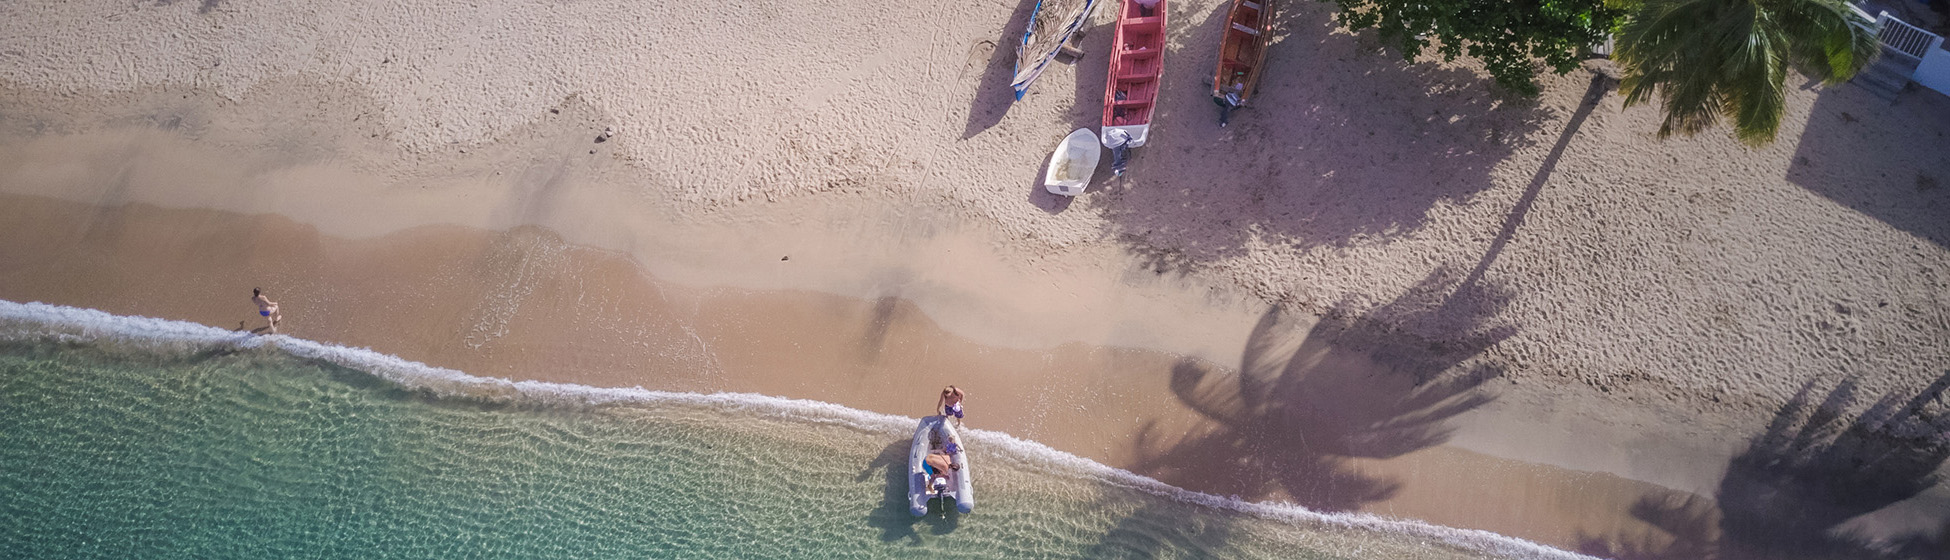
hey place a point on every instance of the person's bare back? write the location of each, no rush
(942, 462)
(267, 308)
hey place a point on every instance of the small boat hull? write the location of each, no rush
(1242, 55)
(1136, 69)
(1133, 136)
(1050, 27)
(960, 486)
(1073, 163)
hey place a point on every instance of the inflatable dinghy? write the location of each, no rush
(935, 434)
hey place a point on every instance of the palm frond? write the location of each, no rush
(1705, 60)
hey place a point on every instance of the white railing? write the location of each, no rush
(1916, 45)
(1900, 37)
(1605, 48)
(1865, 17)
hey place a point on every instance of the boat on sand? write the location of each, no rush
(1050, 27)
(1137, 60)
(936, 435)
(1074, 161)
(1242, 55)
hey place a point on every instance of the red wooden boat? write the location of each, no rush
(1136, 63)
(1242, 55)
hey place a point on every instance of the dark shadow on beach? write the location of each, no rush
(892, 518)
(1342, 142)
(1049, 202)
(886, 310)
(993, 96)
(1792, 493)
(1885, 161)
(1593, 94)
(204, 7)
(1167, 531)
(1303, 403)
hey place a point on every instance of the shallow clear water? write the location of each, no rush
(138, 438)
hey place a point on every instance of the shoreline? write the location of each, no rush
(366, 293)
(75, 326)
(1348, 259)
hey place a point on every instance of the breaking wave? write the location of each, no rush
(30, 322)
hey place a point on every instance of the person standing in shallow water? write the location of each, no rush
(950, 403)
(267, 308)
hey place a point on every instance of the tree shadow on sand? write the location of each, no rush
(1816, 467)
(892, 518)
(1879, 159)
(1342, 142)
(1593, 93)
(1301, 405)
(1166, 531)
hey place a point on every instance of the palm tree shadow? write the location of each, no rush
(1593, 93)
(1165, 531)
(1316, 162)
(1302, 405)
(1933, 544)
(1816, 466)
(1689, 526)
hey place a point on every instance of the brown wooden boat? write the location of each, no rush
(1242, 55)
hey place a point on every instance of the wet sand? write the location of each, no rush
(1388, 287)
(525, 304)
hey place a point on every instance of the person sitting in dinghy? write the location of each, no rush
(938, 467)
(939, 463)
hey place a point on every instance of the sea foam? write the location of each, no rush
(27, 322)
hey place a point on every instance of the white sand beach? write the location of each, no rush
(838, 201)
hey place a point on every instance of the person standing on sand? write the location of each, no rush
(950, 403)
(267, 308)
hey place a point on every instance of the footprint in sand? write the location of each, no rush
(978, 58)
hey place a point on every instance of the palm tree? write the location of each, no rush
(1707, 59)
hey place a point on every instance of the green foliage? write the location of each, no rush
(1507, 35)
(1707, 59)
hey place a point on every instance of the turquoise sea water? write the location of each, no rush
(125, 437)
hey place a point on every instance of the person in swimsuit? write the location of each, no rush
(950, 403)
(267, 308)
(938, 465)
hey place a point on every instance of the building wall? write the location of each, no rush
(1934, 72)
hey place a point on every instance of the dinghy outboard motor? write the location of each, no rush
(1117, 141)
